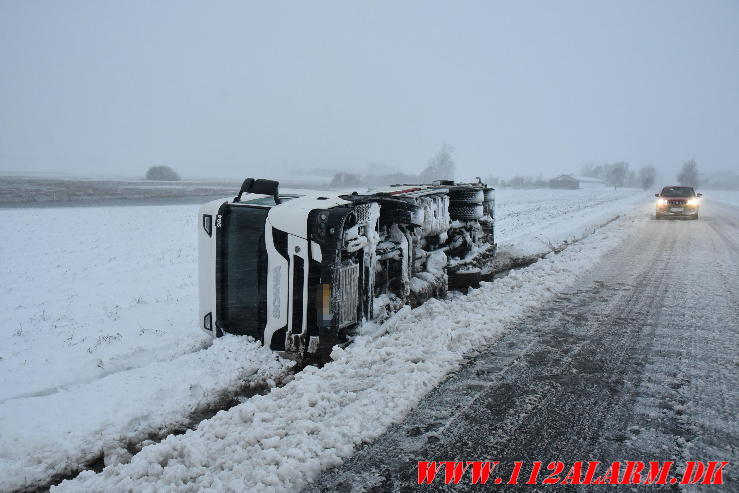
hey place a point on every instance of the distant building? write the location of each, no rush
(565, 182)
(590, 182)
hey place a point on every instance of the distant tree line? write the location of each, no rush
(440, 167)
(618, 175)
(519, 182)
(720, 180)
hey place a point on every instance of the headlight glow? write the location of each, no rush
(692, 201)
(661, 202)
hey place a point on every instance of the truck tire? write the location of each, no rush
(466, 212)
(466, 196)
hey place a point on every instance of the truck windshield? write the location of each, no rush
(678, 192)
(241, 271)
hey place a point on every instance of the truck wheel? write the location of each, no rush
(658, 217)
(466, 212)
(466, 196)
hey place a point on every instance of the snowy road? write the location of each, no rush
(637, 360)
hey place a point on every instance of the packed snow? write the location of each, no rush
(102, 349)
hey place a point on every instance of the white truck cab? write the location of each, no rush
(299, 269)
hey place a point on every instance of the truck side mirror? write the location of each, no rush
(699, 195)
(656, 195)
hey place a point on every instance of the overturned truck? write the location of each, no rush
(299, 270)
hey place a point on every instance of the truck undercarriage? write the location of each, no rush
(316, 266)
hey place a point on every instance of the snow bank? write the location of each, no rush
(281, 441)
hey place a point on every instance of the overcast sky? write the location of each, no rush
(229, 89)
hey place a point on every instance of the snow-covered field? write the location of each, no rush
(101, 348)
(725, 196)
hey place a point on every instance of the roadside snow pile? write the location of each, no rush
(282, 440)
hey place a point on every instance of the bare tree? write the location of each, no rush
(647, 176)
(688, 175)
(616, 174)
(440, 167)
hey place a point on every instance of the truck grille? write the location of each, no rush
(347, 297)
(677, 202)
(363, 213)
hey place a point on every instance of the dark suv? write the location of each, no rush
(678, 202)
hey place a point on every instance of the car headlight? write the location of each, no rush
(692, 201)
(661, 202)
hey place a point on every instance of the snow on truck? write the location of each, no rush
(299, 270)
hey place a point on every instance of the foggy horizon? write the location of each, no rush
(228, 89)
